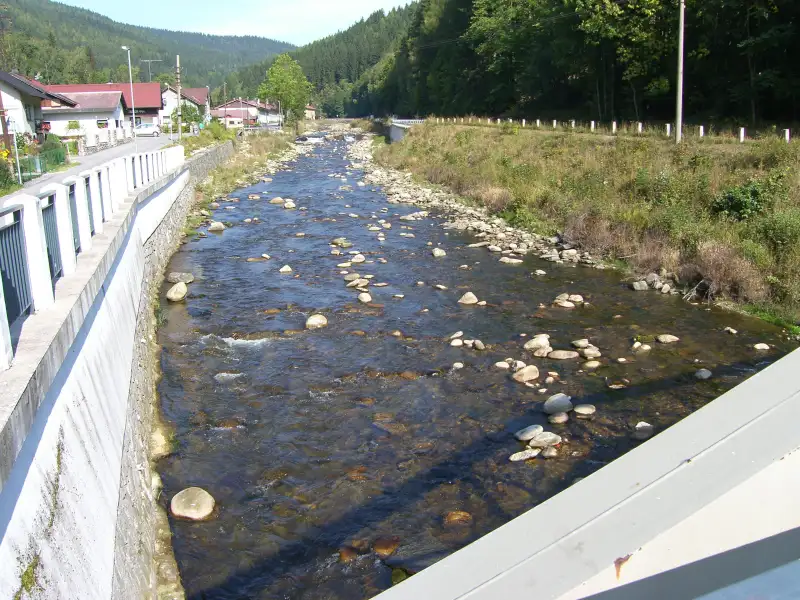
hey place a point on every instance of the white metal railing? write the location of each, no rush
(60, 220)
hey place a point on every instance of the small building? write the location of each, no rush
(311, 112)
(87, 113)
(254, 112)
(146, 97)
(197, 97)
(21, 106)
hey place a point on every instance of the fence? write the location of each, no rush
(42, 237)
(666, 130)
(36, 165)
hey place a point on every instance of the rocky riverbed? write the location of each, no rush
(366, 375)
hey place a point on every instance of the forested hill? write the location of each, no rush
(65, 44)
(335, 63)
(593, 59)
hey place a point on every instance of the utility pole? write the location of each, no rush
(225, 101)
(679, 100)
(178, 81)
(149, 61)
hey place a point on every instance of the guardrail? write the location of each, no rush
(42, 236)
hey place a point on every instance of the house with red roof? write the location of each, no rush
(21, 105)
(85, 113)
(311, 112)
(146, 97)
(253, 112)
(197, 97)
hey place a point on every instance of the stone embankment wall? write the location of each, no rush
(77, 511)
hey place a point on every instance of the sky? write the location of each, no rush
(294, 21)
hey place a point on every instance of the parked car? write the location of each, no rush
(147, 129)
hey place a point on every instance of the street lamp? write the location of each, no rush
(10, 127)
(133, 102)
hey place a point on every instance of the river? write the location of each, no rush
(335, 455)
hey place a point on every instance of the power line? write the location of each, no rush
(149, 61)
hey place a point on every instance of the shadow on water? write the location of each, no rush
(265, 571)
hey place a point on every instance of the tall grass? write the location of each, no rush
(725, 215)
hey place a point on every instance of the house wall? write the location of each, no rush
(87, 121)
(14, 104)
(170, 99)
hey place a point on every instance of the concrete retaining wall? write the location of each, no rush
(76, 508)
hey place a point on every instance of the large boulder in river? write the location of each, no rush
(177, 292)
(558, 403)
(316, 322)
(177, 277)
(526, 374)
(216, 226)
(468, 298)
(192, 503)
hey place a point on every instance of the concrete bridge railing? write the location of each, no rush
(77, 506)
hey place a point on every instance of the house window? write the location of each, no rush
(29, 112)
(102, 123)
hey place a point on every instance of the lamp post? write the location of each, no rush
(133, 102)
(10, 126)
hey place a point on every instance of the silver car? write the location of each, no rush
(147, 129)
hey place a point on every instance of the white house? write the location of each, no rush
(254, 112)
(90, 112)
(20, 104)
(197, 97)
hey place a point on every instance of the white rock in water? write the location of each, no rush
(591, 364)
(177, 277)
(642, 430)
(576, 298)
(538, 342)
(580, 343)
(517, 365)
(731, 330)
(285, 269)
(192, 503)
(502, 365)
(564, 304)
(216, 226)
(468, 298)
(563, 355)
(457, 343)
(761, 346)
(525, 455)
(479, 345)
(316, 322)
(528, 433)
(544, 439)
(540, 272)
(289, 205)
(177, 292)
(585, 410)
(558, 418)
(526, 374)
(358, 258)
(277, 200)
(703, 374)
(439, 253)
(667, 339)
(364, 297)
(557, 403)
(510, 261)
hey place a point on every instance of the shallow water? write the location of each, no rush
(312, 441)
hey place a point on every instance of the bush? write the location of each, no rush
(7, 178)
(754, 197)
(780, 231)
(52, 142)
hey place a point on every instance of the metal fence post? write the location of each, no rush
(6, 349)
(66, 242)
(130, 182)
(106, 195)
(35, 250)
(76, 187)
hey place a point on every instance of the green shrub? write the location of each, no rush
(752, 198)
(779, 230)
(507, 128)
(7, 178)
(52, 142)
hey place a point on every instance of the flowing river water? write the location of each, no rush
(336, 454)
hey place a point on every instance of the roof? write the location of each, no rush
(231, 113)
(146, 95)
(187, 96)
(200, 95)
(238, 102)
(89, 101)
(311, 107)
(31, 87)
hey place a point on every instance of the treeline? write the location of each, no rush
(336, 63)
(64, 44)
(596, 59)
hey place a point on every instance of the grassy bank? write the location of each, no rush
(247, 164)
(722, 216)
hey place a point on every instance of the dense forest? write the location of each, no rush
(597, 59)
(336, 63)
(64, 44)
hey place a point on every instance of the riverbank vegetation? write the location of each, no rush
(723, 217)
(248, 163)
